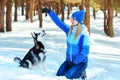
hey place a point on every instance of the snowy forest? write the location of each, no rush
(18, 18)
(30, 8)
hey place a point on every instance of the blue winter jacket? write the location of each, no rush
(77, 49)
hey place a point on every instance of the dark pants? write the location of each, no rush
(71, 70)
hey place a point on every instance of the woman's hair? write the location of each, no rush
(78, 31)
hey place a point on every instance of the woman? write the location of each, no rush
(77, 44)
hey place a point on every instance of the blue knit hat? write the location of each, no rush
(79, 16)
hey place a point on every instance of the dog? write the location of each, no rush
(33, 58)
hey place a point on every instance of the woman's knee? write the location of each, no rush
(75, 71)
(68, 76)
(62, 69)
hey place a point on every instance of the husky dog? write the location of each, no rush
(33, 58)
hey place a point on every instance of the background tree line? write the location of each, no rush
(29, 8)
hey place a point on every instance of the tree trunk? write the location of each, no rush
(105, 17)
(15, 13)
(68, 13)
(116, 13)
(87, 14)
(110, 18)
(94, 15)
(40, 13)
(58, 8)
(22, 6)
(2, 5)
(54, 6)
(9, 15)
(81, 7)
(105, 22)
(31, 10)
(62, 9)
(27, 9)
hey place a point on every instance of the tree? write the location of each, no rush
(31, 10)
(15, 13)
(62, 9)
(107, 7)
(9, 15)
(110, 18)
(87, 14)
(40, 12)
(96, 6)
(2, 5)
(27, 9)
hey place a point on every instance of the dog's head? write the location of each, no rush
(42, 33)
(35, 35)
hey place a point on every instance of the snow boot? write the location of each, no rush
(83, 75)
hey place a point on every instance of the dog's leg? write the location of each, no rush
(44, 63)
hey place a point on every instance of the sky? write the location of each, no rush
(104, 61)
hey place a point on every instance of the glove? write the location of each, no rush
(46, 10)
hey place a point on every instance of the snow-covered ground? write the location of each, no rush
(104, 61)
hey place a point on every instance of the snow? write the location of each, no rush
(104, 61)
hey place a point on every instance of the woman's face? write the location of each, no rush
(74, 22)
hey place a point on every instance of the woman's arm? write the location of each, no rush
(85, 49)
(85, 46)
(58, 22)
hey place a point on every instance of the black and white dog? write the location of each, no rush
(33, 58)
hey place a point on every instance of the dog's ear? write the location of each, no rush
(36, 35)
(34, 38)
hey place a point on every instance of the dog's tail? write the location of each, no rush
(17, 59)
